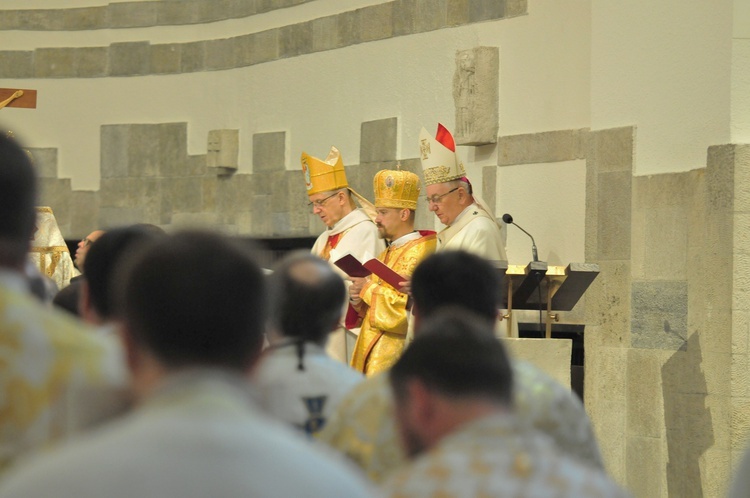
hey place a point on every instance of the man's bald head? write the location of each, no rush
(307, 297)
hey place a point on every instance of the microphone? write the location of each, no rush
(509, 220)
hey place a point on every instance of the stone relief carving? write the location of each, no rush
(476, 95)
(222, 151)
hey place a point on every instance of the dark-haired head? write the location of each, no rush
(194, 299)
(454, 372)
(307, 298)
(456, 278)
(18, 191)
(458, 355)
(101, 262)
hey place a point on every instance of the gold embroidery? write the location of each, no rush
(49, 249)
(381, 338)
(55, 252)
(438, 471)
(396, 189)
(521, 464)
(440, 174)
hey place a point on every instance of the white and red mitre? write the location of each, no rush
(440, 163)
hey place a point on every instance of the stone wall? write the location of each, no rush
(139, 58)
(149, 177)
(666, 380)
(659, 347)
(137, 14)
(735, 311)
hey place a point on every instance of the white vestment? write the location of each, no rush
(303, 398)
(474, 231)
(358, 235)
(198, 435)
(48, 249)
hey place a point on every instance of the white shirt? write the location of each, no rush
(305, 398)
(197, 436)
(405, 238)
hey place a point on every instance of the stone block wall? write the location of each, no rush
(607, 339)
(141, 58)
(659, 397)
(121, 15)
(666, 374)
(148, 177)
(735, 344)
(683, 277)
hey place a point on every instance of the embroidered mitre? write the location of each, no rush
(396, 189)
(324, 176)
(440, 163)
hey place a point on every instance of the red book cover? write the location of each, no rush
(381, 270)
(354, 268)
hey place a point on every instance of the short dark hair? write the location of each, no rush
(67, 297)
(102, 259)
(194, 299)
(150, 227)
(18, 195)
(306, 297)
(456, 278)
(457, 355)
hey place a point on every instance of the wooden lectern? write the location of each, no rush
(538, 286)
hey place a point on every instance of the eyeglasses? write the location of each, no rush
(86, 241)
(437, 199)
(320, 202)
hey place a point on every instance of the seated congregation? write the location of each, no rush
(190, 372)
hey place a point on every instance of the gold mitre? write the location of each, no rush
(396, 189)
(323, 176)
(440, 163)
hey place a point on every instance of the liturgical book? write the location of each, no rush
(356, 268)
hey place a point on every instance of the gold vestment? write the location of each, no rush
(384, 326)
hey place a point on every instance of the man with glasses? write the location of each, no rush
(83, 247)
(469, 223)
(349, 229)
(69, 296)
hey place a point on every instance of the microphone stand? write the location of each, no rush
(507, 218)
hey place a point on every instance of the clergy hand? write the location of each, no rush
(355, 288)
(405, 286)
